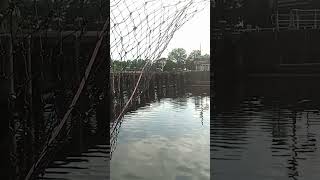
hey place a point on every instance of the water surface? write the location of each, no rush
(84, 157)
(268, 130)
(167, 139)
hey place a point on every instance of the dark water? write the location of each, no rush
(90, 164)
(85, 157)
(267, 129)
(165, 140)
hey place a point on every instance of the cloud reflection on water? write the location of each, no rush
(163, 141)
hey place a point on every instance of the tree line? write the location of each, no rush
(177, 60)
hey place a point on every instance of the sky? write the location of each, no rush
(193, 33)
(142, 28)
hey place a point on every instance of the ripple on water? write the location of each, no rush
(276, 141)
(168, 135)
(91, 164)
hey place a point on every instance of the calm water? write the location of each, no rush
(165, 140)
(267, 129)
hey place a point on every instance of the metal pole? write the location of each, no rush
(277, 14)
(315, 19)
(277, 20)
(298, 23)
(292, 24)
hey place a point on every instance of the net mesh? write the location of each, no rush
(141, 30)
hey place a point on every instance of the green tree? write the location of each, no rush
(190, 64)
(194, 54)
(137, 64)
(119, 65)
(159, 63)
(206, 56)
(178, 56)
(170, 65)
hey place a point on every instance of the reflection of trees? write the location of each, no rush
(179, 103)
(201, 102)
(196, 100)
(201, 105)
(201, 110)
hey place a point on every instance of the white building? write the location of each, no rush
(202, 64)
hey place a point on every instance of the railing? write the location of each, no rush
(295, 20)
(298, 19)
(218, 33)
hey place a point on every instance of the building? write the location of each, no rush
(202, 64)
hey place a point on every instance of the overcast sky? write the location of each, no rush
(142, 28)
(193, 33)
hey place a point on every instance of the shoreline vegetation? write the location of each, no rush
(178, 59)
